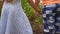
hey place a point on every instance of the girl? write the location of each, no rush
(14, 20)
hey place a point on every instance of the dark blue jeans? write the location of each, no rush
(51, 19)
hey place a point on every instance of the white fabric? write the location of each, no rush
(14, 20)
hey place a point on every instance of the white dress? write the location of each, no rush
(14, 21)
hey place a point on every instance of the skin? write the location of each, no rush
(35, 6)
(37, 2)
(1, 0)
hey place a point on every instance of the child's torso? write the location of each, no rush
(46, 2)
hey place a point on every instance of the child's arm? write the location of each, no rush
(35, 6)
(37, 2)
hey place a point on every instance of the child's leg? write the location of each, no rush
(58, 19)
(49, 19)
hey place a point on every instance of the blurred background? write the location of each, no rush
(36, 22)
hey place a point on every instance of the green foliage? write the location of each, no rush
(30, 12)
(27, 8)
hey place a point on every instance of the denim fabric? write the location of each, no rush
(51, 19)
